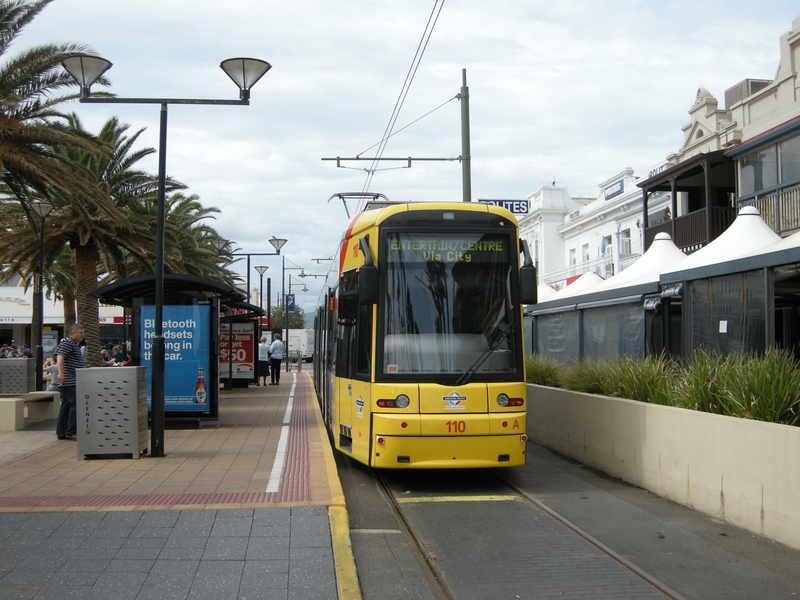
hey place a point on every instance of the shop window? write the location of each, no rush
(758, 171)
(790, 160)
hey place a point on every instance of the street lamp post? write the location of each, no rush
(277, 243)
(269, 305)
(86, 70)
(220, 243)
(261, 270)
(42, 209)
(285, 307)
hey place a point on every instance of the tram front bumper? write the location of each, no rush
(452, 452)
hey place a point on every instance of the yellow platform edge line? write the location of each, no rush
(343, 560)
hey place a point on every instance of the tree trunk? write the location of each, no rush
(88, 308)
(68, 301)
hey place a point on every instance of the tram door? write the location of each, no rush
(353, 364)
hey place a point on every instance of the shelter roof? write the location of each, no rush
(123, 292)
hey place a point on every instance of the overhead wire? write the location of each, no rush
(412, 71)
(409, 125)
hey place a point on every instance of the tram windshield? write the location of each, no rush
(447, 307)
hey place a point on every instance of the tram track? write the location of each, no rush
(438, 570)
(424, 558)
(616, 557)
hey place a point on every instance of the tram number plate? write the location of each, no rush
(456, 426)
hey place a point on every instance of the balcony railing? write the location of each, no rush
(690, 230)
(781, 210)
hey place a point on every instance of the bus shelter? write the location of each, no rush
(191, 325)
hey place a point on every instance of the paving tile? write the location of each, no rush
(231, 548)
(177, 542)
(181, 554)
(60, 593)
(138, 553)
(217, 579)
(268, 548)
(231, 527)
(123, 520)
(95, 564)
(117, 585)
(134, 566)
(10, 591)
(146, 542)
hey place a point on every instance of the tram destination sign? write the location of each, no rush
(517, 207)
(445, 248)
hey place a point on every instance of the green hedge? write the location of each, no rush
(763, 387)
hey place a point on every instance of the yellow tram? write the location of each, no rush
(419, 359)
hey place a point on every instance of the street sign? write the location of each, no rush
(517, 207)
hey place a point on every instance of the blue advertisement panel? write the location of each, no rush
(187, 348)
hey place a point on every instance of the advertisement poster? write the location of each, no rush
(242, 349)
(186, 355)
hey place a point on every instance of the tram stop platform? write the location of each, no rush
(249, 506)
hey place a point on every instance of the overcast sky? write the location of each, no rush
(568, 89)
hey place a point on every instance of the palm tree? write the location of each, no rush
(31, 86)
(30, 91)
(104, 232)
(188, 241)
(189, 237)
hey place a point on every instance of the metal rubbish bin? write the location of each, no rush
(17, 375)
(112, 412)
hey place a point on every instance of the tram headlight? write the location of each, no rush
(504, 401)
(402, 401)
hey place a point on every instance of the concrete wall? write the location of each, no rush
(744, 472)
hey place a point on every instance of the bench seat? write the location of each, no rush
(41, 405)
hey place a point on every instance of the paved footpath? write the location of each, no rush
(249, 506)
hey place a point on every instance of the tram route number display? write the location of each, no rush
(240, 354)
(461, 426)
(456, 426)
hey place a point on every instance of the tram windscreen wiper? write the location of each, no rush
(499, 334)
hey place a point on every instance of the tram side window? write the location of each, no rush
(354, 346)
(364, 346)
(347, 332)
(344, 347)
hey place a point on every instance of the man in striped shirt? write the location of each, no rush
(68, 358)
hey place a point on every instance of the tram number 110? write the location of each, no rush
(456, 426)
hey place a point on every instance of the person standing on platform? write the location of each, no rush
(276, 355)
(263, 360)
(69, 358)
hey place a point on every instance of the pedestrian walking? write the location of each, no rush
(276, 355)
(69, 358)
